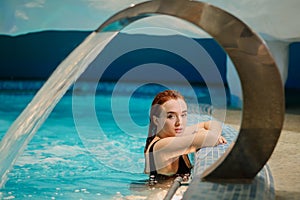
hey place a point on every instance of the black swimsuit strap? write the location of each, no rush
(183, 168)
(182, 165)
(151, 160)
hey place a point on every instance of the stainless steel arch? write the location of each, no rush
(263, 106)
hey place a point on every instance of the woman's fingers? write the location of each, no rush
(222, 140)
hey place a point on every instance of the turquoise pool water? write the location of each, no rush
(58, 163)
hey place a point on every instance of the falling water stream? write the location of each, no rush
(25, 126)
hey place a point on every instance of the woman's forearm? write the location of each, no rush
(176, 146)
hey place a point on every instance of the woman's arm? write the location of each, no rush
(196, 127)
(175, 146)
(213, 126)
(207, 125)
(167, 150)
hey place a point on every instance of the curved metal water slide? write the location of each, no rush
(263, 93)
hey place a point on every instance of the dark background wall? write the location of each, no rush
(36, 55)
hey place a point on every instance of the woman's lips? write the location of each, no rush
(178, 130)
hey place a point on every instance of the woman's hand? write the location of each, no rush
(222, 140)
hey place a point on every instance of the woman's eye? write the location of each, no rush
(171, 116)
(184, 115)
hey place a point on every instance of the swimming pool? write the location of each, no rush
(61, 162)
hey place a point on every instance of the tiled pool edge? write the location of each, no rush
(262, 187)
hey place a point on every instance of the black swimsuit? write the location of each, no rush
(183, 168)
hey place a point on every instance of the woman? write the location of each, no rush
(169, 140)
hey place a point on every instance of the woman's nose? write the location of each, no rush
(178, 121)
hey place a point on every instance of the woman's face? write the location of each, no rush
(173, 119)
